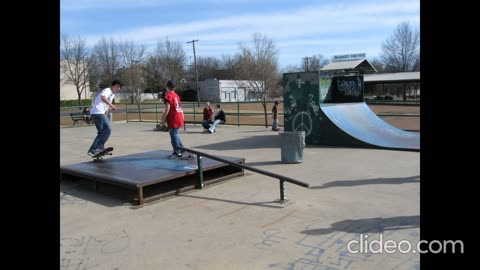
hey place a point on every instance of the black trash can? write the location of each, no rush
(292, 144)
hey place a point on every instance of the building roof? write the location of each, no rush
(392, 77)
(361, 65)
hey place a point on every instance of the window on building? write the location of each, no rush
(251, 95)
(228, 93)
(242, 93)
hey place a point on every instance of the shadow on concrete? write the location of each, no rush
(264, 163)
(331, 147)
(181, 130)
(74, 193)
(254, 142)
(195, 132)
(262, 130)
(262, 204)
(369, 225)
(375, 181)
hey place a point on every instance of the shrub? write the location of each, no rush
(74, 102)
(188, 95)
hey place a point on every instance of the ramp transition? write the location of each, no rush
(331, 111)
(355, 124)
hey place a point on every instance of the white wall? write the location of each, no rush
(69, 92)
(225, 90)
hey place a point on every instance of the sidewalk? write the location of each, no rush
(239, 224)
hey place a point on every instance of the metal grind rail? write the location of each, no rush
(282, 179)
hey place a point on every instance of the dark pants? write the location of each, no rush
(206, 123)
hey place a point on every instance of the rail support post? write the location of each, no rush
(282, 191)
(200, 172)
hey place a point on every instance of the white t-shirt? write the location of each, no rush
(100, 107)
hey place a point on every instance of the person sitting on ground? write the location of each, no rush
(207, 116)
(219, 116)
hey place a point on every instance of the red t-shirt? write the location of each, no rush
(175, 115)
(207, 113)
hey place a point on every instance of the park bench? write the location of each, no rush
(78, 116)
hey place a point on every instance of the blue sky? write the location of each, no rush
(299, 28)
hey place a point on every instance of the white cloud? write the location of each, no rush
(331, 26)
(75, 5)
(304, 21)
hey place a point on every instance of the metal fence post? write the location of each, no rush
(184, 122)
(238, 113)
(126, 112)
(194, 120)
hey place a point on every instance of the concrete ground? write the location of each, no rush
(239, 224)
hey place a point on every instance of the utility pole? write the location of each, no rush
(305, 61)
(196, 72)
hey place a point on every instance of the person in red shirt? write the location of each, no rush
(173, 115)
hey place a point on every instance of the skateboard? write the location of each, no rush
(107, 151)
(187, 156)
(161, 127)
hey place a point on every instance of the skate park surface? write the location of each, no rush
(239, 223)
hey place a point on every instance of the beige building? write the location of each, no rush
(69, 92)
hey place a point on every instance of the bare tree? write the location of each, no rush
(172, 58)
(291, 68)
(107, 54)
(401, 51)
(277, 89)
(75, 63)
(95, 74)
(258, 65)
(154, 80)
(416, 65)
(207, 67)
(167, 62)
(228, 67)
(310, 63)
(378, 64)
(132, 56)
(318, 61)
(314, 62)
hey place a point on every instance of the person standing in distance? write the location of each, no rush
(174, 117)
(275, 116)
(103, 101)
